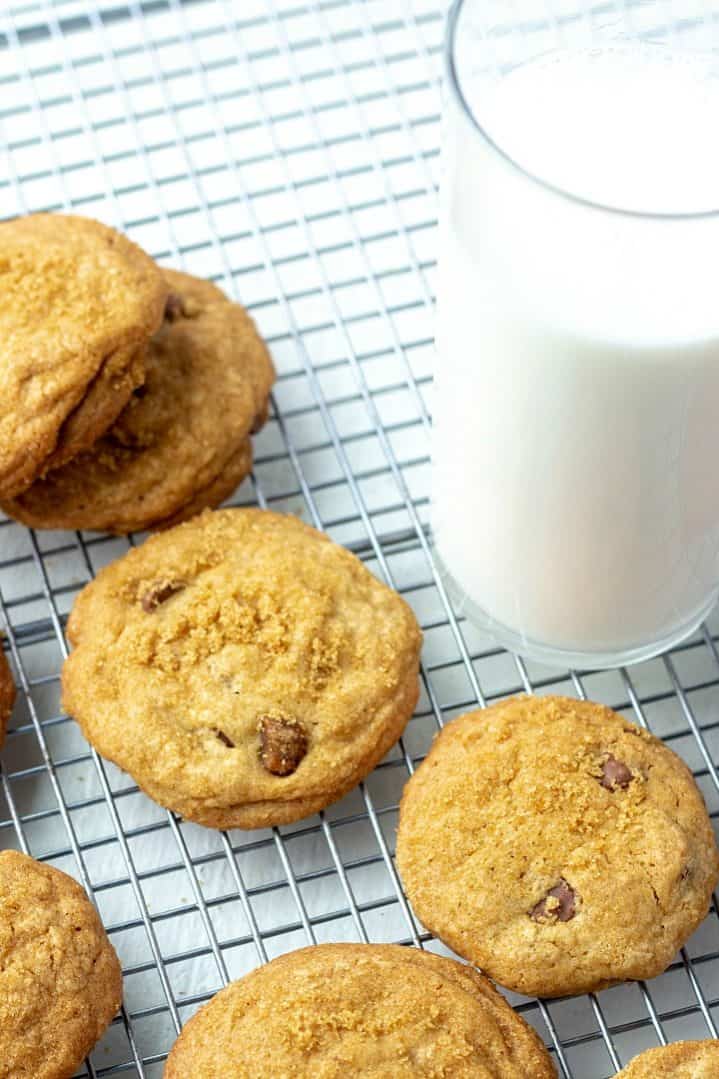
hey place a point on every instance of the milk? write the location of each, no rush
(576, 442)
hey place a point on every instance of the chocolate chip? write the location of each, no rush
(283, 744)
(615, 774)
(224, 739)
(159, 593)
(559, 904)
(173, 307)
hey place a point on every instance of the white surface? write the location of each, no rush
(313, 199)
(578, 380)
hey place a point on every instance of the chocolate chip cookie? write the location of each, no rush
(60, 980)
(220, 488)
(682, 1060)
(182, 443)
(7, 693)
(244, 669)
(358, 1009)
(556, 845)
(78, 304)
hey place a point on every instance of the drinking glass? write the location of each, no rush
(576, 416)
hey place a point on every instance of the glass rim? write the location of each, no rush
(453, 79)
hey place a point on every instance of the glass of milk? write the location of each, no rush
(576, 419)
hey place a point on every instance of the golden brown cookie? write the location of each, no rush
(181, 444)
(682, 1060)
(60, 980)
(556, 845)
(78, 303)
(244, 669)
(216, 492)
(7, 693)
(340, 1010)
(104, 400)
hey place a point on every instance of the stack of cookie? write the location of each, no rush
(129, 392)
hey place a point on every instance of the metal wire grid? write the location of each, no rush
(289, 150)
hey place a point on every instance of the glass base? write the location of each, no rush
(568, 657)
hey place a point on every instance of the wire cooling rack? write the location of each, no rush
(289, 150)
